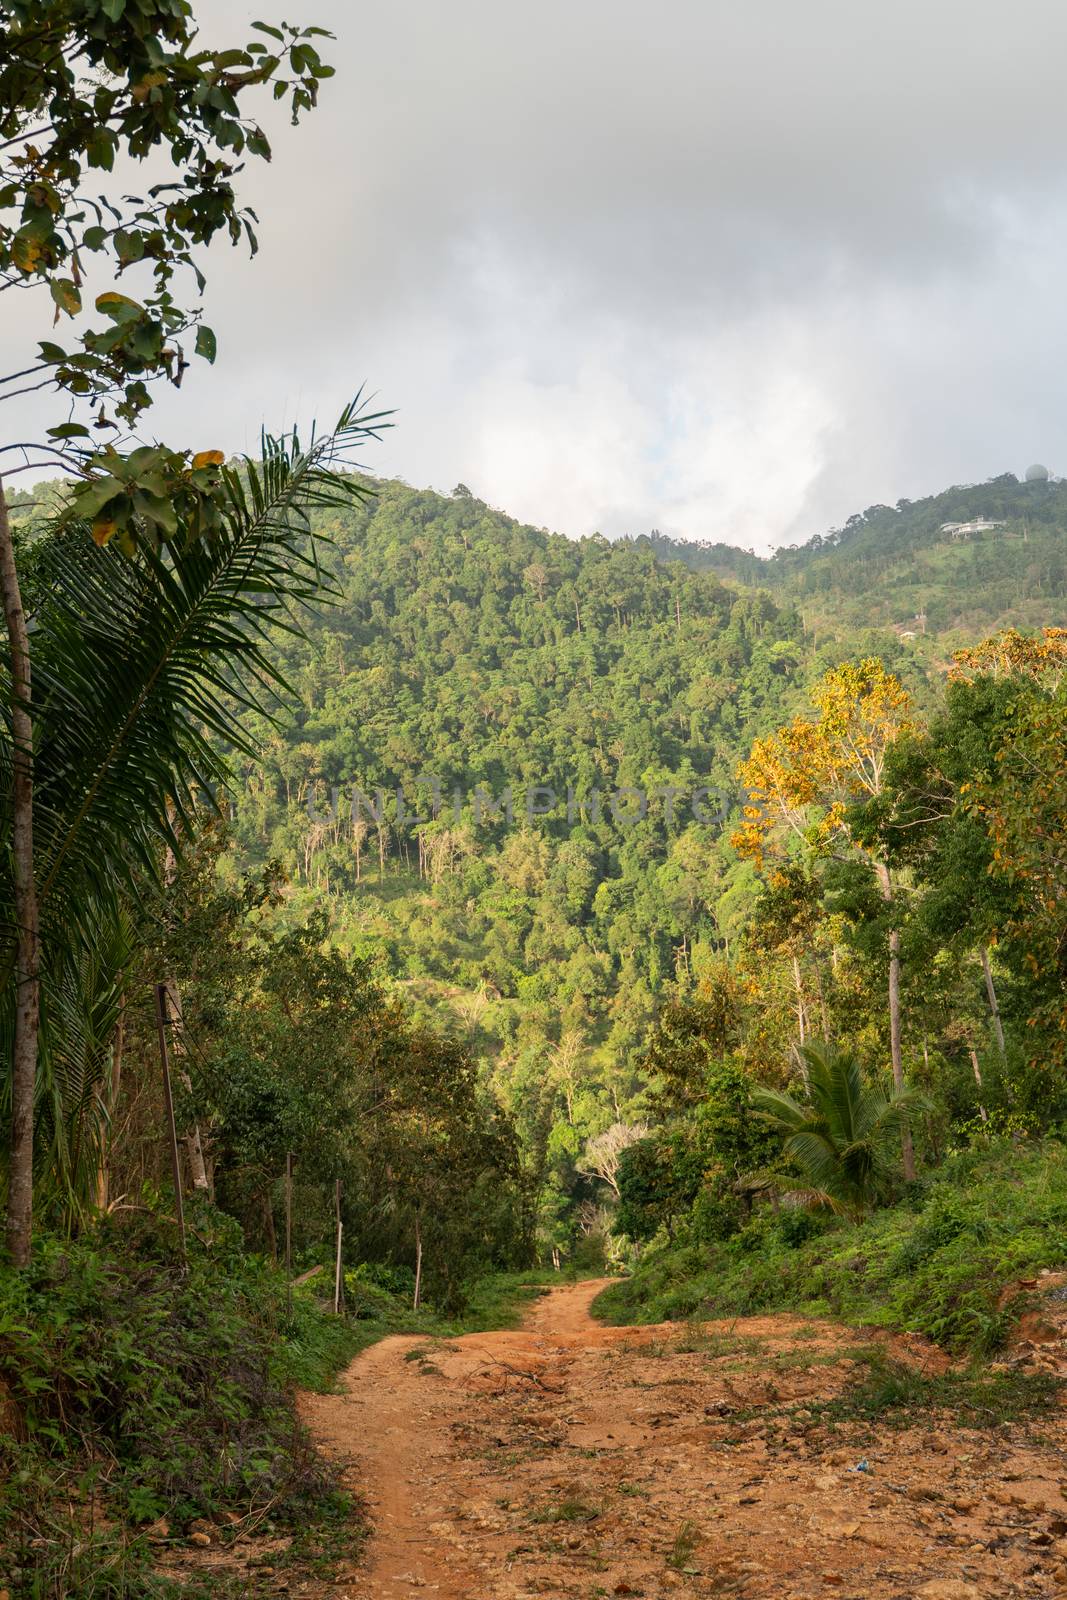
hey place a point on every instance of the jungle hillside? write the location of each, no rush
(530, 1064)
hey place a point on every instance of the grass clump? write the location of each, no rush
(936, 1263)
(568, 1510)
(681, 1553)
(896, 1394)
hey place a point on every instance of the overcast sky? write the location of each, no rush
(730, 268)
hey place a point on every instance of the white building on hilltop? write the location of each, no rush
(964, 530)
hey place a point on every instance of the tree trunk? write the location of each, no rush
(994, 1006)
(798, 985)
(289, 1233)
(179, 1045)
(978, 1080)
(168, 1106)
(103, 1176)
(194, 1147)
(19, 1230)
(906, 1148)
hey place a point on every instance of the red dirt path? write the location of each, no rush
(571, 1459)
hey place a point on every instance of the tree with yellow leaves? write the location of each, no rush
(1013, 654)
(803, 780)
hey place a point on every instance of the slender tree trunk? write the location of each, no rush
(978, 1080)
(907, 1150)
(822, 1002)
(179, 1046)
(338, 1278)
(168, 1106)
(103, 1176)
(19, 1230)
(798, 985)
(994, 1006)
(194, 1147)
(289, 1233)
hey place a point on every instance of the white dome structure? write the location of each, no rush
(1037, 473)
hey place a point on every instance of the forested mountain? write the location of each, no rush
(468, 657)
(486, 655)
(889, 565)
(508, 771)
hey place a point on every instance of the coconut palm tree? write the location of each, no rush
(147, 661)
(843, 1132)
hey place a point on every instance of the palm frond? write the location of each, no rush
(841, 1132)
(146, 671)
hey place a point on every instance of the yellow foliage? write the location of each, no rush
(1011, 652)
(802, 778)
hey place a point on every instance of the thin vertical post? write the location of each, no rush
(337, 1263)
(289, 1231)
(418, 1263)
(168, 1101)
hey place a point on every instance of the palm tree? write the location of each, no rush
(843, 1132)
(146, 665)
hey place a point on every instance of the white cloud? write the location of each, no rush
(733, 271)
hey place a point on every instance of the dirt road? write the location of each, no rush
(567, 1458)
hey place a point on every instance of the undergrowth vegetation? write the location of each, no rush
(936, 1264)
(892, 1393)
(138, 1396)
(135, 1390)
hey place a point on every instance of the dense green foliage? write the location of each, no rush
(522, 912)
(467, 653)
(143, 668)
(507, 1034)
(294, 1054)
(134, 1391)
(478, 652)
(936, 1264)
(895, 566)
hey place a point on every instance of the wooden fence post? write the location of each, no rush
(338, 1281)
(289, 1232)
(418, 1262)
